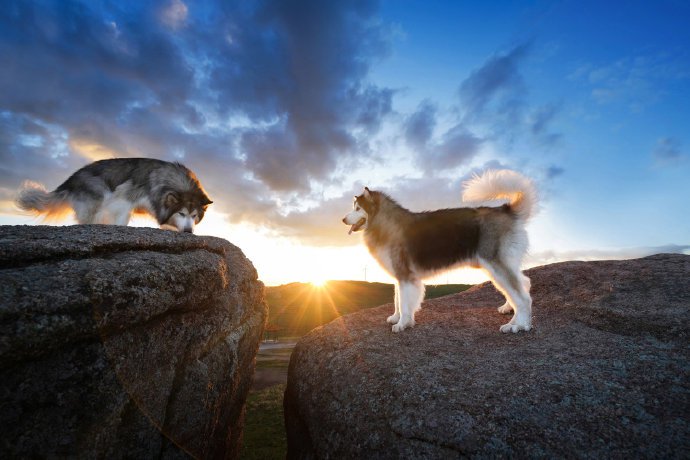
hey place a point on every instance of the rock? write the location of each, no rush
(124, 342)
(604, 373)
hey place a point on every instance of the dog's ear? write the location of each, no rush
(171, 199)
(205, 201)
(367, 193)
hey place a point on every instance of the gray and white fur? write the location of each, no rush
(413, 246)
(109, 191)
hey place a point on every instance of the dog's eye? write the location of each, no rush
(181, 213)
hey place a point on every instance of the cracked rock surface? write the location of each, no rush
(124, 342)
(605, 372)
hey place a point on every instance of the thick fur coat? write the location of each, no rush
(109, 191)
(413, 246)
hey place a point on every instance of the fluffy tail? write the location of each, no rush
(502, 185)
(33, 197)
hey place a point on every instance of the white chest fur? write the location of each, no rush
(383, 257)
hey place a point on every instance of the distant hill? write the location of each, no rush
(297, 308)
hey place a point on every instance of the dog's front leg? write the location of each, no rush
(411, 294)
(395, 317)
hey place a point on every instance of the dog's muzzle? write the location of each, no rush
(358, 225)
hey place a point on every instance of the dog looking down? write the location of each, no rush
(413, 246)
(109, 191)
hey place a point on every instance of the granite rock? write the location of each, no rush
(120, 342)
(605, 373)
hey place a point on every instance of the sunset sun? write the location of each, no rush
(318, 282)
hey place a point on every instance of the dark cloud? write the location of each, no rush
(454, 148)
(302, 71)
(540, 120)
(458, 146)
(260, 98)
(495, 97)
(419, 126)
(267, 101)
(497, 88)
(554, 171)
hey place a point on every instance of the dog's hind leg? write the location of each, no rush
(395, 317)
(121, 211)
(511, 283)
(86, 210)
(114, 210)
(507, 308)
(411, 295)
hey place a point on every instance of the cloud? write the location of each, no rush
(539, 121)
(494, 100)
(493, 107)
(269, 102)
(455, 147)
(495, 89)
(668, 151)
(263, 100)
(174, 15)
(418, 127)
(554, 171)
(635, 82)
(321, 224)
(302, 71)
(548, 257)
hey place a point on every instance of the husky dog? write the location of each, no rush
(413, 246)
(109, 191)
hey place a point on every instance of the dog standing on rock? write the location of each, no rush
(413, 246)
(109, 191)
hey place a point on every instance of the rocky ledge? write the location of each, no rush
(123, 342)
(605, 373)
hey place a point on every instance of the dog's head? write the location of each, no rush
(363, 210)
(185, 210)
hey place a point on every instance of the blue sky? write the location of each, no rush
(286, 109)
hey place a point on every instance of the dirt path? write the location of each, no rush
(272, 364)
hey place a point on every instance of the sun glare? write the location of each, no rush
(318, 282)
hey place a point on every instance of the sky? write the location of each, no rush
(286, 109)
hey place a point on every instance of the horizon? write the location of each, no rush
(285, 110)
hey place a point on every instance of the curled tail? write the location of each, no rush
(502, 185)
(33, 197)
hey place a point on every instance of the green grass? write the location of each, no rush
(264, 428)
(297, 308)
(272, 363)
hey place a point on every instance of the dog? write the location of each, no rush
(109, 191)
(488, 233)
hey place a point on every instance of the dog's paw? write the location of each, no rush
(402, 325)
(393, 319)
(398, 328)
(515, 327)
(505, 309)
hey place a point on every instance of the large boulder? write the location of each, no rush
(121, 342)
(604, 373)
